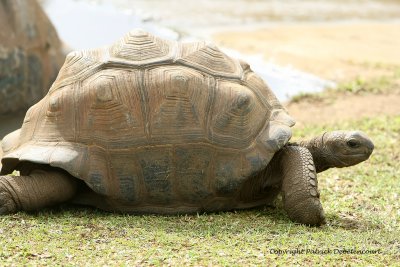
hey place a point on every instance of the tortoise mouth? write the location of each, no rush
(352, 159)
(362, 152)
(360, 155)
(349, 154)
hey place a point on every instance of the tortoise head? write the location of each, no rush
(345, 148)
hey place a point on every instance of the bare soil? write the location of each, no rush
(345, 108)
(340, 52)
(331, 51)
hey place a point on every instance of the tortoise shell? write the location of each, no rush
(149, 121)
(30, 54)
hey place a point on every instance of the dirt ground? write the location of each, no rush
(339, 52)
(332, 51)
(345, 108)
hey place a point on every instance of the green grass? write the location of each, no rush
(361, 204)
(382, 84)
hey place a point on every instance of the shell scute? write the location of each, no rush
(228, 173)
(110, 111)
(157, 173)
(125, 176)
(140, 47)
(213, 61)
(179, 99)
(238, 116)
(193, 164)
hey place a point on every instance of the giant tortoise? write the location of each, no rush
(30, 54)
(148, 125)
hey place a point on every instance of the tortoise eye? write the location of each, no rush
(352, 144)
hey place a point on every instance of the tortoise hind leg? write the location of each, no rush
(299, 186)
(39, 189)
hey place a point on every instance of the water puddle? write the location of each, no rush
(87, 24)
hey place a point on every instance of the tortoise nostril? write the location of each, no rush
(370, 146)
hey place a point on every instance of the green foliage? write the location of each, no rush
(382, 84)
(361, 204)
(309, 97)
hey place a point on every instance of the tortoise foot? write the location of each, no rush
(7, 203)
(309, 212)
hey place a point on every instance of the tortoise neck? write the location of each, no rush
(318, 150)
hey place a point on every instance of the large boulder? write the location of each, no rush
(30, 54)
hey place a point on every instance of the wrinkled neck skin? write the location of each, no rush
(319, 152)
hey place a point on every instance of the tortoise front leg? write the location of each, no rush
(300, 187)
(37, 190)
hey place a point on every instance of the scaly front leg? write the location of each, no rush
(300, 186)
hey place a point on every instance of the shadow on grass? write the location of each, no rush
(267, 222)
(345, 223)
(261, 220)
